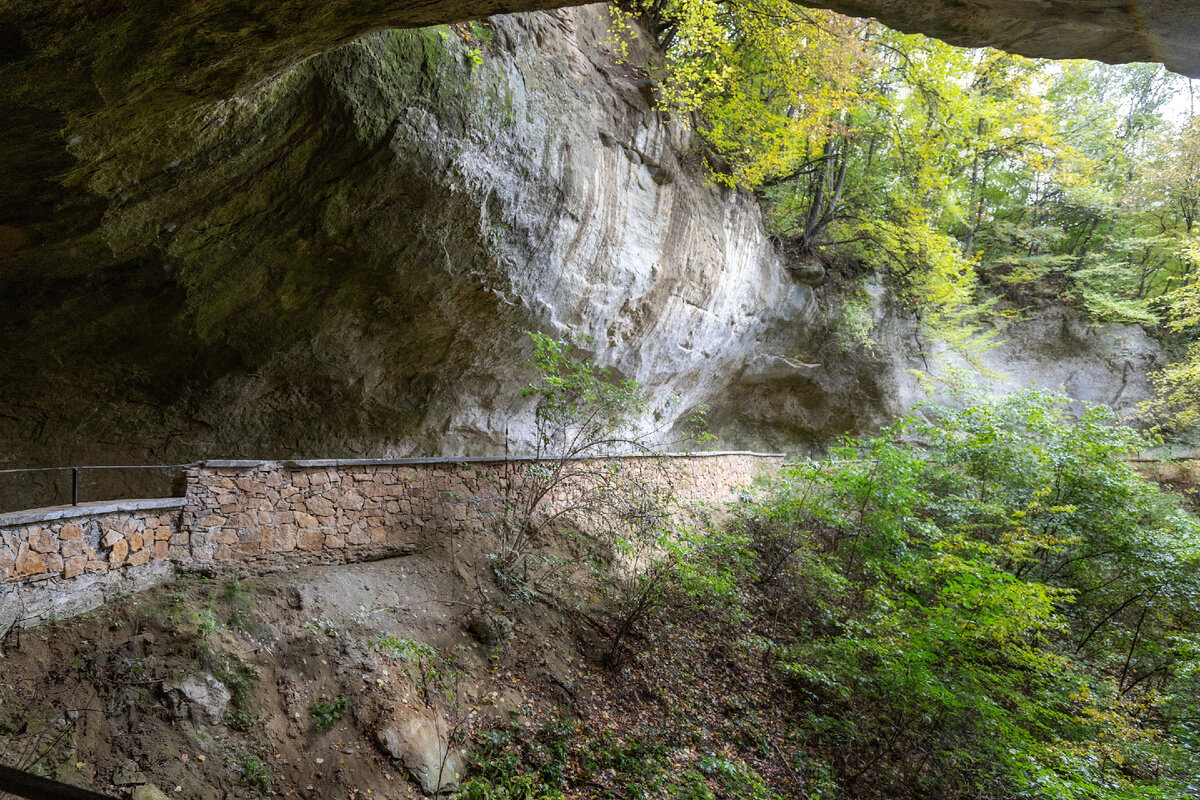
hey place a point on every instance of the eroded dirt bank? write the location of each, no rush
(295, 684)
(352, 681)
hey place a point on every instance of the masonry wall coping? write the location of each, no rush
(319, 463)
(33, 516)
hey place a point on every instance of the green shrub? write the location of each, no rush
(326, 713)
(585, 415)
(428, 671)
(240, 677)
(255, 774)
(1006, 608)
(240, 721)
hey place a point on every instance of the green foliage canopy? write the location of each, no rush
(972, 180)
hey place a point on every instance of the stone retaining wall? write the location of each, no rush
(252, 517)
(64, 560)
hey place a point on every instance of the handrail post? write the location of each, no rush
(74, 486)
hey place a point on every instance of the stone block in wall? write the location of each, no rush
(285, 538)
(320, 506)
(306, 520)
(54, 563)
(138, 559)
(28, 563)
(73, 567)
(241, 520)
(42, 540)
(246, 549)
(352, 501)
(116, 556)
(160, 550)
(311, 539)
(70, 532)
(335, 541)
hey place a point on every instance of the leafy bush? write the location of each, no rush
(1004, 609)
(584, 413)
(519, 788)
(736, 779)
(428, 671)
(534, 762)
(596, 467)
(240, 677)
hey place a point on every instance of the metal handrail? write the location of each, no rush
(75, 472)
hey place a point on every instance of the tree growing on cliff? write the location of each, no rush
(958, 176)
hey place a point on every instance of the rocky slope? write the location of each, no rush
(344, 681)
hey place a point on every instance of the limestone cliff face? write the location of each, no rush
(1060, 350)
(810, 384)
(342, 259)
